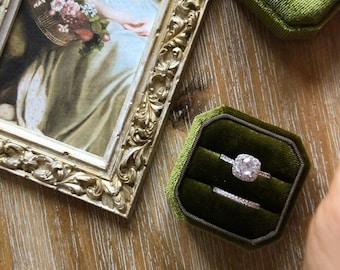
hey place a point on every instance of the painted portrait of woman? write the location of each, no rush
(74, 92)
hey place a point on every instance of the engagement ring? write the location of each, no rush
(245, 167)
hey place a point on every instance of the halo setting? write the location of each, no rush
(245, 167)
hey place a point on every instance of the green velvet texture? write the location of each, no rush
(180, 165)
(206, 167)
(199, 169)
(248, 222)
(232, 139)
(302, 12)
(294, 19)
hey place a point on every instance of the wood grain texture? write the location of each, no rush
(236, 62)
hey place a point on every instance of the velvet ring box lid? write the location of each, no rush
(204, 191)
(294, 19)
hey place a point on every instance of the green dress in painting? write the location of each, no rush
(76, 98)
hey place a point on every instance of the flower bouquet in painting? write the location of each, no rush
(64, 21)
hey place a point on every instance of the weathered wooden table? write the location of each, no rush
(237, 62)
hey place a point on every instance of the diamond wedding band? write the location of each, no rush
(245, 167)
(236, 198)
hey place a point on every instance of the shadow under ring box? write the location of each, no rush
(294, 19)
(252, 214)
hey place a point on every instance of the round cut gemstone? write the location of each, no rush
(246, 167)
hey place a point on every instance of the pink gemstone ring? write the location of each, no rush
(245, 167)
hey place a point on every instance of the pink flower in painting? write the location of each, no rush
(71, 8)
(57, 5)
(106, 37)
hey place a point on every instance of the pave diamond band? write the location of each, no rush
(245, 167)
(236, 198)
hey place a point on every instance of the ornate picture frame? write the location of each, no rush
(110, 181)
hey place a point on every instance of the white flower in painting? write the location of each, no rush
(38, 3)
(57, 5)
(63, 28)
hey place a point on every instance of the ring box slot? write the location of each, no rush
(271, 194)
(199, 169)
(225, 213)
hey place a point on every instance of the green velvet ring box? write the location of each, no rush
(253, 213)
(294, 19)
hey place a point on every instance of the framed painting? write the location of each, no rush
(85, 86)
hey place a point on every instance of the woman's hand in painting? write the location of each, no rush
(141, 27)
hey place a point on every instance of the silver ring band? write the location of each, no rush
(245, 167)
(236, 198)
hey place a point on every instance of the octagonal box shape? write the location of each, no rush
(294, 19)
(199, 170)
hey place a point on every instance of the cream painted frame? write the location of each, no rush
(111, 182)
